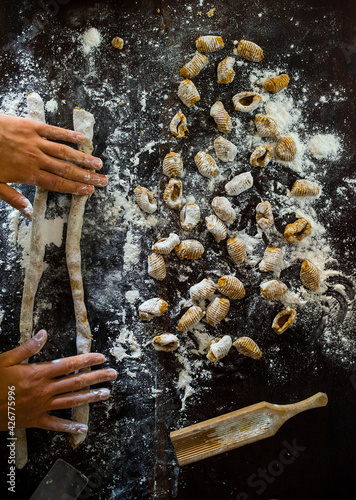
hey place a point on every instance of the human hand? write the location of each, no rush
(52, 385)
(27, 157)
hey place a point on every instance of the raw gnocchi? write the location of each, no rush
(302, 187)
(221, 117)
(246, 101)
(216, 227)
(206, 165)
(266, 126)
(284, 320)
(223, 209)
(173, 165)
(224, 149)
(202, 290)
(166, 342)
(249, 50)
(189, 249)
(188, 93)
(261, 156)
(152, 308)
(247, 347)
(173, 194)
(286, 148)
(273, 289)
(239, 184)
(231, 287)
(189, 216)
(219, 348)
(164, 246)
(297, 231)
(209, 43)
(276, 83)
(193, 67)
(217, 310)
(271, 261)
(178, 126)
(226, 71)
(190, 318)
(264, 215)
(145, 199)
(310, 275)
(236, 249)
(156, 266)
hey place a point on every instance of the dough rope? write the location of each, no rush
(83, 122)
(33, 271)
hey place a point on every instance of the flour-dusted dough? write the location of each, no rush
(84, 123)
(34, 268)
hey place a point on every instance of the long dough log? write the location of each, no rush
(84, 123)
(33, 271)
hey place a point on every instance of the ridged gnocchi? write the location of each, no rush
(164, 246)
(226, 71)
(247, 347)
(156, 266)
(224, 149)
(145, 199)
(223, 209)
(271, 261)
(202, 290)
(302, 187)
(261, 156)
(219, 348)
(217, 310)
(239, 184)
(249, 50)
(178, 126)
(189, 216)
(236, 249)
(310, 275)
(193, 67)
(246, 101)
(286, 148)
(221, 117)
(284, 320)
(209, 43)
(189, 249)
(231, 287)
(173, 194)
(276, 83)
(216, 227)
(297, 231)
(206, 165)
(264, 215)
(190, 318)
(166, 342)
(188, 93)
(172, 165)
(273, 289)
(266, 126)
(152, 308)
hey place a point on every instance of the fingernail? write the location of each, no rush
(40, 335)
(102, 180)
(103, 393)
(86, 190)
(97, 162)
(80, 137)
(28, 209)
(112, 373)
(81, 429)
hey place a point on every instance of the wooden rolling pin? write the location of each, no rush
(237, 428)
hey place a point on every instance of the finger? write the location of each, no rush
(26, 350)
(15, 199)
(53, 182)
(64, 366)
(66, 401)
(59, 134)
(52, 423)
(70, 154)
(73, 172)
(79, 381)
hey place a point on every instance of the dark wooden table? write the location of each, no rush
(128, 454)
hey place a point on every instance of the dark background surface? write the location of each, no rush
(128, 455)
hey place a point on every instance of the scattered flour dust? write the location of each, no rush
(124, 342)
(324, 146)
(91, 40)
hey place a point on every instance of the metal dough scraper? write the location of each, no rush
(62, 482)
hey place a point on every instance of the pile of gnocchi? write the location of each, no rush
(283, 148)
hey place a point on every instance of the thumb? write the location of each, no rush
(15, 199)
(27, 349)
